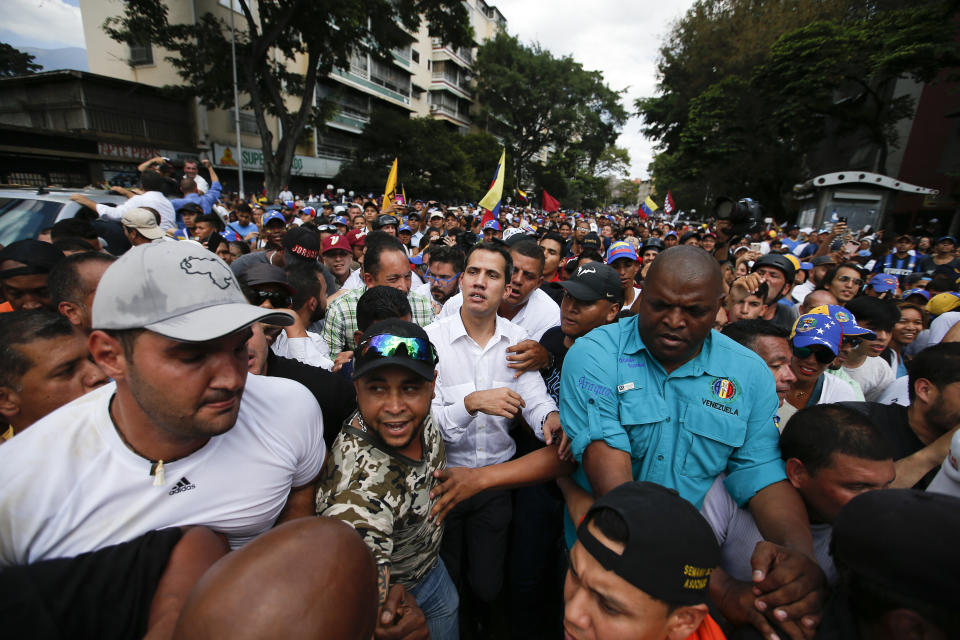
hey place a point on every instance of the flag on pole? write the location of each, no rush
(668, 206)
(649, 206)
(550, 204)
(522, 194)
(390, 191)
(491, 201)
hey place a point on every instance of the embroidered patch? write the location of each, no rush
(806, 324)
(724, 389)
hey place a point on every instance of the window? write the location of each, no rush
(248, 123)
(141, 54)
(416, 56)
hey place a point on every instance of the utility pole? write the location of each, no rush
(236, 100)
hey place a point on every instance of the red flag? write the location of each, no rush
(487, 216)
(550, 204)
(641, 213)
(668, 206)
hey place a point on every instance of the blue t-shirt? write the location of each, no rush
(242, 230)
(714, 413)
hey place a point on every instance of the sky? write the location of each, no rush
(618, 38)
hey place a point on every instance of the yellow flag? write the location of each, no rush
(492, 199)
(390, 191)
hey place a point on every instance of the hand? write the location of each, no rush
(76, 197)
(494, 402)
(456, 485)
(736, 605)
(789, 584)
(450, 241)
(342, 358)
(529, 355)
(205, 162)
(553, 429)
(400, 617)
(838, 229)
(746, 285)
(118, 189)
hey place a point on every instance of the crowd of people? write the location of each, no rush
(226, 417)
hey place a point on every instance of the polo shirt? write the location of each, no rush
(713, 414)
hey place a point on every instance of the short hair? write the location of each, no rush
(21, 328)
(73, 228)
(592, 254)
(494, 247)
(152, 180)
(376, 243)
(940, 364)
(450, 255)
(188, 185)
(381, 303)
(530, 249)
(746, 332)
(303, 278)
(555, 237)
(876, 313)
(243, 207)
(73, 244)
(815, 433)
(64, 282)
(243, 246)
(942, 283)
(211, 218)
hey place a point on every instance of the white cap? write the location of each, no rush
(144, 221)
(178, 290)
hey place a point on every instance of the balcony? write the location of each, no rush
(443, 81)
(450, 113)
(441, 51)
(362, 79)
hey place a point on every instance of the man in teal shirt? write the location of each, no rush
(660, 397)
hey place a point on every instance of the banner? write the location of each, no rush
(550, 204)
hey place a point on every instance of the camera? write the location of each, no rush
(744, 215)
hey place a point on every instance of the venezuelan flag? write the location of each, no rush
(491, 201)
(649, 206)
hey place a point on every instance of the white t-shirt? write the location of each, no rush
(941, 325)
(873, 376)
(153, 199)
(801, 291)
(354, 280)
(70, 484)
(897, 392)
(834, 390)
(738, 535)
(539, 314)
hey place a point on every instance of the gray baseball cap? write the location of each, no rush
(178, 290)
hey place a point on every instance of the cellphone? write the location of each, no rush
(842, 219)
(756, 247)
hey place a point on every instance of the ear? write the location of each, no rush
(356, 336)
(72, 312)
(925, 391)
(613, 312)
(368, 279)
(311, 305)
(107, 352)
(9, 403)
(797, 473)
(684, 621)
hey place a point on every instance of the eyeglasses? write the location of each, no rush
(823, 355)
(278, 299)
(390, 346)
(432, 277)
(856, 281)
(851, 341)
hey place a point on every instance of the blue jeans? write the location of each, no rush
(437, 598)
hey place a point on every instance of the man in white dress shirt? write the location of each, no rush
(524, 304)
(477, 397)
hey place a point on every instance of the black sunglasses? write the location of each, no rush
(277, 299)
(823, 355)
(851, 341)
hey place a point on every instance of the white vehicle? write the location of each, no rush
(25, 211)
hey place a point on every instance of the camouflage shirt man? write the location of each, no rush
(385, 496)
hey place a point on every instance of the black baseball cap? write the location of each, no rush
(395, 342)
(902, 540)
(591, 241)
(670, 550)
(302, 242)
(35, 256)
(594, 281)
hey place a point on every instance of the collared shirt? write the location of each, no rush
(153, 199)
(539, 314)
(341, 320)
(205, 201)
(465, 366)
(714, 413)
(310, 349)
(354, 280)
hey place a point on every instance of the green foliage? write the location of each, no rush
(538, 101)
(753, 94)
(434, 161)
(282, 45)
(14, 62)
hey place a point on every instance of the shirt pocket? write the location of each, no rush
(707, 440)
(640, 415)
(455, 393)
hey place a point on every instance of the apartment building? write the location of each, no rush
(426, 79)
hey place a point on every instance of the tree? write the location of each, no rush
(434, 161)
(538, 101)
(750, 90)
(14, 62)
(282, 46)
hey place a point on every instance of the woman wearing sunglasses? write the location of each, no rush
(815, 341)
